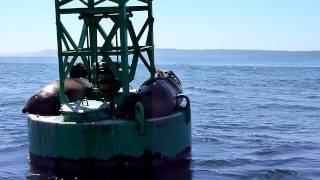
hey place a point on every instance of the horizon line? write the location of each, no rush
(177, 49)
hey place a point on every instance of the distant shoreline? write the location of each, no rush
(205, 53)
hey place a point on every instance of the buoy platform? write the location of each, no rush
(101, 122)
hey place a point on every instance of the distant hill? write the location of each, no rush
(210, 54)
(44, 53)
(221, 53)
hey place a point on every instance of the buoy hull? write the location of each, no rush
(108, 143)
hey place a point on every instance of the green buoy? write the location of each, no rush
(89, 132)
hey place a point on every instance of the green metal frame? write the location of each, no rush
(91, 13)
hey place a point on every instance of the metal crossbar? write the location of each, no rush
(119, 18)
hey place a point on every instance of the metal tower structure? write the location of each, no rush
(90, 135)
(120, 54)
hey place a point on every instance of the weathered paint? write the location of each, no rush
(51, 137)
(86, 111)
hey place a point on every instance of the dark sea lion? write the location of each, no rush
(158, 96)
(47, 101)
(78, 71)
(107, 82)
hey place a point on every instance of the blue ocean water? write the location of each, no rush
(251, 118)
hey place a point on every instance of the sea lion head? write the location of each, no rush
(43, 103)
(78, 71)
(168, 74)
(171, 77)
(107, 81)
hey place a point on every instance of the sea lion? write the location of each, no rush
(107, 81)
(158, 96)
(78, 71)
(171, 75)
(47, 101)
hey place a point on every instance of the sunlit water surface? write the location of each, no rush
(251, 119)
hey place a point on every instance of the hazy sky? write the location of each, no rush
(29, 25)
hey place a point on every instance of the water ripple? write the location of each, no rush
(248, 122)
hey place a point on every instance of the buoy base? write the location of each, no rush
(96, 146)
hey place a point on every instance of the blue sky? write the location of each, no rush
(29, 25)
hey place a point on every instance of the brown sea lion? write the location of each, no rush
(47, 101)
(158, 96)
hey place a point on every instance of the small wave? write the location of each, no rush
(278, 162)
(203, 89)
(264, 136)
(213, 104)
(285, 148)
(12, 148)
(276, 99)
(215, 174)
(218, 116)
(289, 107)
(273, 174)
(262, 127)
(12, 102)
(223, 162)
(312, 97)
(204, 137)
(313, 116)
(11, 174)
(215, 165)
(224, 126)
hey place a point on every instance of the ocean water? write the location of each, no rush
(251, 118)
